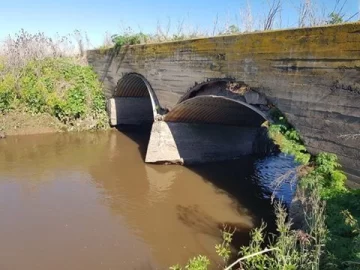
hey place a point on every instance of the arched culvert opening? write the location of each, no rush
(133, 102)
(219, 120)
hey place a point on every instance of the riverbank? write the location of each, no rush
(325, 230)
(22, 123)
(25, 123)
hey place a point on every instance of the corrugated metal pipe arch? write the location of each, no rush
(210, 109)
(135, 85)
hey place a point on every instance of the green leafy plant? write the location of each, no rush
(290, 249)
(288, 138)
(58, 86)
(224, 249)
(7, 92)
(334, 18)
(129, 38)
(199, 262)
(37, 76)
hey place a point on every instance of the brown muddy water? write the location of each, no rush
(88, 201)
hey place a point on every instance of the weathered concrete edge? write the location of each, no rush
(124, 48)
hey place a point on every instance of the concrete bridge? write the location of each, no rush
(208, 97)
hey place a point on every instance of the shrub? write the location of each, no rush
(75, 103)
(342, 210)
(39, 74)
(290, 249)
(58, 86)
(129, 38)
(199, 262)
(7, 92)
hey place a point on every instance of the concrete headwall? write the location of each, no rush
(311, 74)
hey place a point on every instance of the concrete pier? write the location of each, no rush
(195, 143)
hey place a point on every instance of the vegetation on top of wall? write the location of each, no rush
(309, 13)
(37, 77)
(129, 38)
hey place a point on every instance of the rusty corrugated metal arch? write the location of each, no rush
(211, 109)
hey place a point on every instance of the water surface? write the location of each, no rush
(88, 201)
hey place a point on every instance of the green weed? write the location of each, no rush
(288, 138)
(129, 38)
(199, 262)
(7, 93)
(342, 210)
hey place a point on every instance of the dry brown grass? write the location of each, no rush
(20, 48)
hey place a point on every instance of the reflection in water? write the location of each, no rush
(88, 201)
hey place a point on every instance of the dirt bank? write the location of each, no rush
(23, 123)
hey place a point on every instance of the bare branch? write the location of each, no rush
(352, 16)
(249, 256)
(246, 18)
(275, 8)
(215, 24)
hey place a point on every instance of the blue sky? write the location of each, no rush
(98, 16)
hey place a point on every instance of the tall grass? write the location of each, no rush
(287, 249)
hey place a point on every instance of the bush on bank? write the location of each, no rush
(57, 84)
(342, 205)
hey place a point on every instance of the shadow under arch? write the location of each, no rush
(135, 85)
(133, 102)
